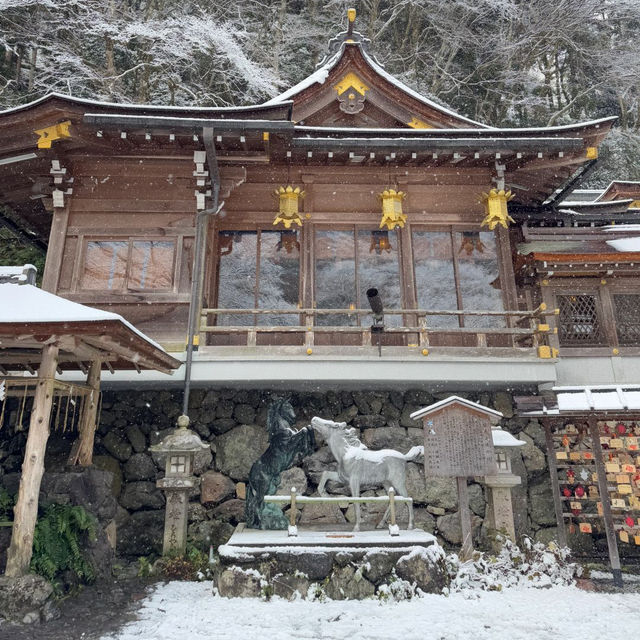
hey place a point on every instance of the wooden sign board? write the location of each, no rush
(458, 442)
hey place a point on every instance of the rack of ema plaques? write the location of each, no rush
(597, 485)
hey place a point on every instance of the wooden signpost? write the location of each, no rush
(458, 443)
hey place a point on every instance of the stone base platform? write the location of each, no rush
(334, 563)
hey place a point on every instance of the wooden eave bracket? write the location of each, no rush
(50, 134)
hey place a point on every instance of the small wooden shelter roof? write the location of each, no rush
(456, 400)
(31, 318)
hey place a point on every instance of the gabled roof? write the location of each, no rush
(453, 400)
(618, 189)
(352, 61)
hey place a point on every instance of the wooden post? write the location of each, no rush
(465, 518)
(555, 484)
(292, 511)
(612, 542)
(26, 509)
(392, 507)
(82, 450)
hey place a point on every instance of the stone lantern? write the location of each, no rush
(501, 483)
(179, 449)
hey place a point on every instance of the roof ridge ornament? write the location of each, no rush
(349, 36)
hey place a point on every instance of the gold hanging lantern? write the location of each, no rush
(392, 215)
(289, 198)
(495, 204)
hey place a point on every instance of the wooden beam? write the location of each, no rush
(82, 449)
(26, 509)
(57, 238)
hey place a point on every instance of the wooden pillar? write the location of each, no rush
(26, 509)
(465, 518)
(82, 450)
(555, 483)
(612, 542)
(55, 252)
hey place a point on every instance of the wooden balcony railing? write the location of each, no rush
(512, 329)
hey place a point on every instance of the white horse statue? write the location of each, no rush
(358, 465)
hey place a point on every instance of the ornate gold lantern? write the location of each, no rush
(289, 198)
(495, 204)
(392, 215)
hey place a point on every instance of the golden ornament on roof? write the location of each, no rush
(392, 215)
(289, 198)
(495, 204)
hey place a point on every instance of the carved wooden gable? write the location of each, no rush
(357, 92)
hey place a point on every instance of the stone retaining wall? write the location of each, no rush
(233, 421)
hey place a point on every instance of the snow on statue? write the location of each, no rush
(358, 465)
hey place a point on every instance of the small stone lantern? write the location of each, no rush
(500, 484)
(179, 450)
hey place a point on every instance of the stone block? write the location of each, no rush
(142, 534)
(222, 425)
(209, 532)
(238, 449)
(141, 495)
(534, 459)
(386, 438)
(437, 492)
(319, 461)
(449, 527)
(477, 503)
(244, 413)
(230, 511)
(541, 507)
(290, 586)
(136, 438)
(348, 583)
(503, 402)
(140, 466)
(536, 432)
(420, 567)
(107, 463)
(117, 446)
(369, 421)
(224, 409)
(294, 477)
(236, 582)
(23, 599)
(406, 420)
(321, 514)
(215, 487)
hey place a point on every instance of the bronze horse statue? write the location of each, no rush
(287, 448)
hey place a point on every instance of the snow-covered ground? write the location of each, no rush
(189, 610)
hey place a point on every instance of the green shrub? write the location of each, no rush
(194, 565)
(57, 543)
(6, 506)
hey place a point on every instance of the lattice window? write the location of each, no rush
(579, 322)
(627, 311)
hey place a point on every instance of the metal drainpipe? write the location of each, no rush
(199, 262)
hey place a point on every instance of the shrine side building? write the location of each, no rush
(253, 234)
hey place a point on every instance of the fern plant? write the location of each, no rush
(57, 543)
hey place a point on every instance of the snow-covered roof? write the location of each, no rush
(583, 399)
(420, 413)
(502, 438)
(18, 275)
(121, 105)
(613, 183)
(485, 132)
(625, 245)
(26, 304)
(320, 75)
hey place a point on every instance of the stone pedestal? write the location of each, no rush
(175, 521)
(500, 508)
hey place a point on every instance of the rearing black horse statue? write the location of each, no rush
(286, 449)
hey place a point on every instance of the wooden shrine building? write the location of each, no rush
(245, 239)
